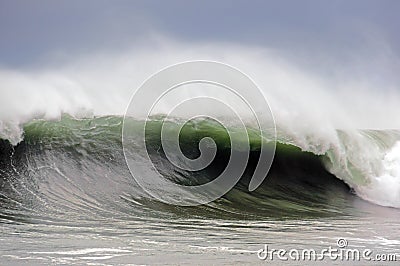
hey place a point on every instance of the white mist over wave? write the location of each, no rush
(308, 107)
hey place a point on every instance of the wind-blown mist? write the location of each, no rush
(313, 111)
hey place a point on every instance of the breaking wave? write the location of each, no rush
(76, 167)
(61, 152)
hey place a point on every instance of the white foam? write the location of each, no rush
(384, 189)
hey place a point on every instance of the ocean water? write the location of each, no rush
(68, 197)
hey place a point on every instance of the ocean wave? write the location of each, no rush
(78, 165)
(316, 113)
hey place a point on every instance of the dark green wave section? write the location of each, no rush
(89, 153)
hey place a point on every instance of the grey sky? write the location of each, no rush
(33, 30)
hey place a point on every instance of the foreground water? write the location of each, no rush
(67, 197)
(176, 239)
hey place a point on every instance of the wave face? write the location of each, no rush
(75, 169)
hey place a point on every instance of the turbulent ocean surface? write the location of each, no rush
(67, 196)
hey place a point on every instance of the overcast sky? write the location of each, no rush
(33, 31)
